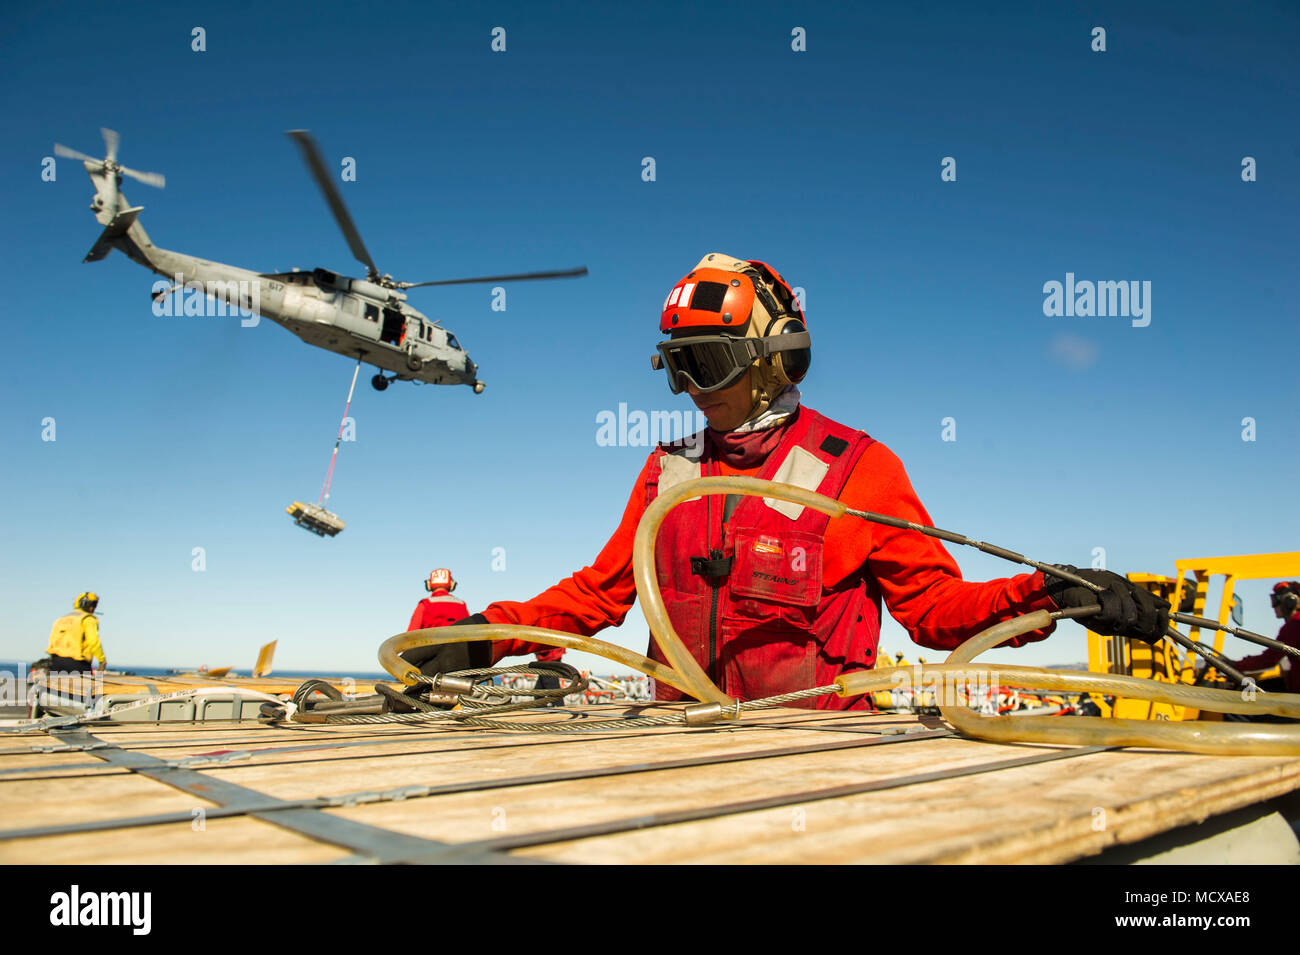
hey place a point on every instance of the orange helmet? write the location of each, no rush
(441, 579)
(720, 292)
(728, 316)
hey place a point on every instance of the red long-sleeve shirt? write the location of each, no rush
(1290, 635)
(438, 609)
(919, 581)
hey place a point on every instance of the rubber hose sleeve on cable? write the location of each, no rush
(1192, 736)
(647, 579)
(408, 674)
(1218, 738)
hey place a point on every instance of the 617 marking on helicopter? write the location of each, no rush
(366, 319)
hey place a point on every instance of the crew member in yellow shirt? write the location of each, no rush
(74, 639)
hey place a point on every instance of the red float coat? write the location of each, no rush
(800, 601)
(1290, 635)
(438, 609)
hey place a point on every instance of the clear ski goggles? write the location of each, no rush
(714, 362)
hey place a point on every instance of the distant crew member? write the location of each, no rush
(441, 609)
(1285, 599)
(74, 639)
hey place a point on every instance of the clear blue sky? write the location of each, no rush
(924, 297)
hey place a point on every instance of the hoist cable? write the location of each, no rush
(329, 474)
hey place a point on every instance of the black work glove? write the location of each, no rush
(1127, 610)
(450, 657)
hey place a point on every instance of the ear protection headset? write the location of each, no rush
(1286, 595)
(440, 578)
(785, 317)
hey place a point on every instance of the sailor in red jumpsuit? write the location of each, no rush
(773, 597)
(441, 609)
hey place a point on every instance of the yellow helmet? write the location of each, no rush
(87, 602)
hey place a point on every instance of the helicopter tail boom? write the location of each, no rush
(114, 231)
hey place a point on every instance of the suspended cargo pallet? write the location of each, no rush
(314, 517)
(319, 521)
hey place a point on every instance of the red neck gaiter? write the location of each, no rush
(746, 451)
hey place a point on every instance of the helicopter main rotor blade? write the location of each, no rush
(517, 277)
(111, 139)
(311, 155)
(148, 178)
(66, 153)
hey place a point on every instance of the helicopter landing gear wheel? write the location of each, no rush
(478, 387)
(379, 382)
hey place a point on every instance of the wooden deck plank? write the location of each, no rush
(38, 802)
(1032, 814)
(448, 759)
(237, 841)
(1035, 813)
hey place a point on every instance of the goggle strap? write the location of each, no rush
(792, 342)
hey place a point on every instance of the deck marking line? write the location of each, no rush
(381, 845)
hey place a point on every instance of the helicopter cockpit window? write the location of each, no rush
(451, 340)
(372, 313)
(351, 305)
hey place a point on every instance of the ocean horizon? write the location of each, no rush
(127, 669)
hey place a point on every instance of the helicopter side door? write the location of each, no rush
(393, 328)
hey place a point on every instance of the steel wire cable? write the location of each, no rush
(685, 674)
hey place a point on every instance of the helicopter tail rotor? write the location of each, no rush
(66, 153)
(111, 172)
(111, 141)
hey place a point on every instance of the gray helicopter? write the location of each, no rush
(366, 319)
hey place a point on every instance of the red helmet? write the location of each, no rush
(1286, 595)
(440, 578)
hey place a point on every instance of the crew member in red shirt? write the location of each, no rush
(441, 609)
(1285, 599)
(771, 597)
